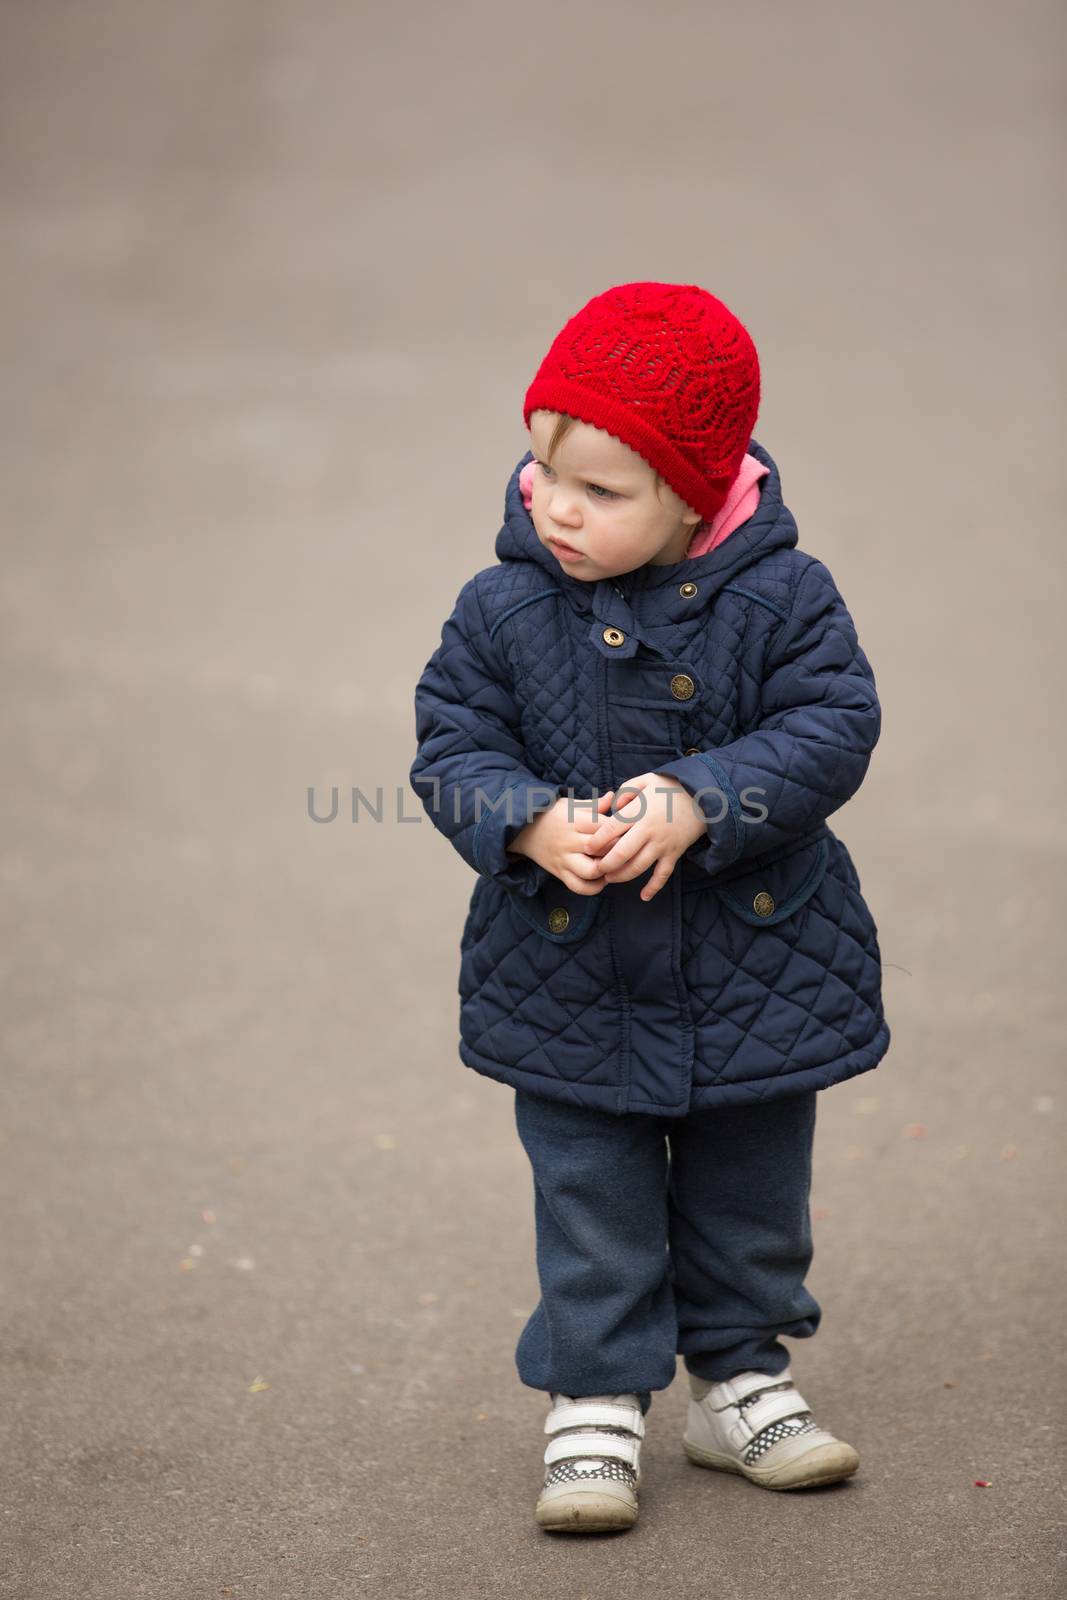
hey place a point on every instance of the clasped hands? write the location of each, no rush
(587, 849)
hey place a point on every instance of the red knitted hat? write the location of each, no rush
(668, 369)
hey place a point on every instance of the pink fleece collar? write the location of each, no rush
(739, 505)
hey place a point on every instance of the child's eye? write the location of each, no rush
(601, 494)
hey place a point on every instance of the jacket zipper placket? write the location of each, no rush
(681, 987)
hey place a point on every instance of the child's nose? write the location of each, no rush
(562, 510)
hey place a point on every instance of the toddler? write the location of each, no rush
(634, 729)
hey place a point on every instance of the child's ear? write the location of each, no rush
(526, 478)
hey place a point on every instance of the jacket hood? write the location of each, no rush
(771, 527)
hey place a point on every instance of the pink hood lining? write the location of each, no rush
(739, 505)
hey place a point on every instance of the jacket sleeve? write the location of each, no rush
(809, 752)
(470, 771)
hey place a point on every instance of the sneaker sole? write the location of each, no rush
(572, 1510)
(827, 1463)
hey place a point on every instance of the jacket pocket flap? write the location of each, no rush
(558, 913)
(764, 895)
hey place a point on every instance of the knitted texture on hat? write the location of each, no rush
(668, 369)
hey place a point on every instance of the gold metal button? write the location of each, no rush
(693, 750)
(613, 636)
(558, 919)
(687, 591)
(763, 904)
(682, 686)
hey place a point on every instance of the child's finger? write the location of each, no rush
(622, 852)
(664, 868)
(579, 885)
(606, 836)
(630, 801)
(590, 821)
(583, 867)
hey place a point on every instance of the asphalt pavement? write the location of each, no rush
(275, 278)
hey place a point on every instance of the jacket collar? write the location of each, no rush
(650, 589)
(648, 598)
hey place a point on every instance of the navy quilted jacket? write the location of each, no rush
(755, 971)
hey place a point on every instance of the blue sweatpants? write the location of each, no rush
(658, 1237)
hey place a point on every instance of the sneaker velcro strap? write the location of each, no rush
(731, 1390)
(590, 1442)
(594, 1414)
(774, 1408)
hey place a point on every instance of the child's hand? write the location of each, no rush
(658, 825)
(556, 839)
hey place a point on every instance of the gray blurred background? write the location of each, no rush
(275, 278)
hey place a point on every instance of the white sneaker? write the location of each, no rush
(593, 1463)
(758, 1425)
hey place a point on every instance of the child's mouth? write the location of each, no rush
(565, 552)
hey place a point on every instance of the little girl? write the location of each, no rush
(634, 729)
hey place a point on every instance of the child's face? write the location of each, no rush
(599, 499)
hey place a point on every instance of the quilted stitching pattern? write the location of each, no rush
(756, 971)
